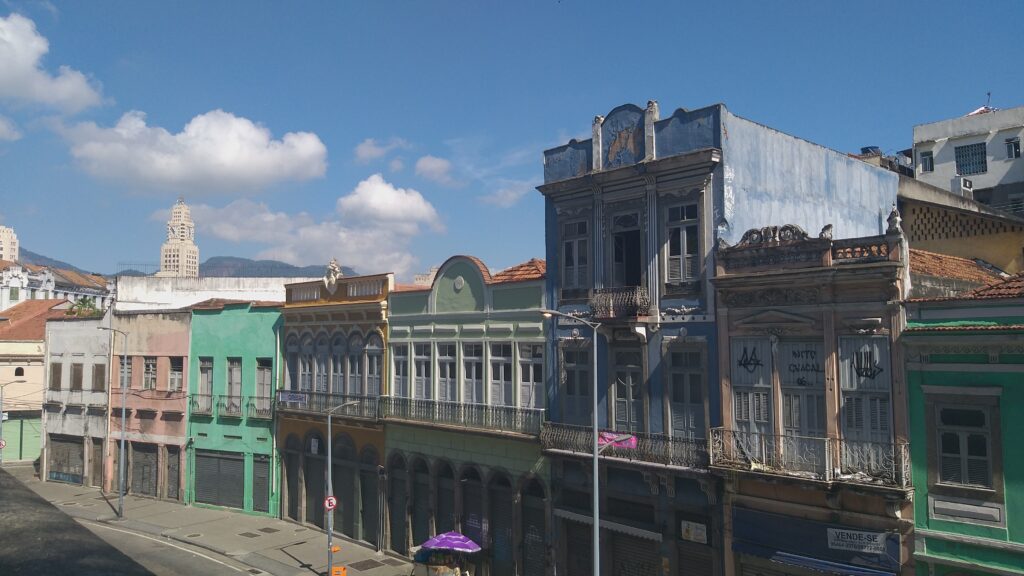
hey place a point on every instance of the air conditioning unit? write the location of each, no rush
(962, 187)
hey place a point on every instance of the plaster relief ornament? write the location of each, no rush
(332, 275)
(894, 220)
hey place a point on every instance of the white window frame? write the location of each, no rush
(149, 370)
(531, 375)
(448, 378)
(500, 377)
(176, 378)
(962, 434)
(400, 370)
(685, 260)
(1012, 148)
(927, 161)
(423, 371)
(473, 381)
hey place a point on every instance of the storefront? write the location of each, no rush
(808, 548)
(66, 459)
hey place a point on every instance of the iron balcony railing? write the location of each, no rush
(320, 402)
(261, 407)
(464, 415)
(620, 303)
(229, 405)
(201, 404)
(827, 459)
(653, 448)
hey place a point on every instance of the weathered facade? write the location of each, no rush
(232, 362)
(75, 409)
(151, 359)
(632, 218)
(964, 362)
(466, 403)
(334, 337)
(814, 431)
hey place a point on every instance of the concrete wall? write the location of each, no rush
(512, 455)
(27, 355)
(77, 341)
(151, 293)
(993, 128)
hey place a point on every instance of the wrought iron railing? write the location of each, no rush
(321, 402)
(201, 404)
(828, 459)
(260, 407)
(654, 448)
(229, 405)
(620, 303)
(464, 415)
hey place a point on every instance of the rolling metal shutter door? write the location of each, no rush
(67, 460)
(220, 478)
(578, 549)
(694, 559)
(398, 507)
(502, 562)
(173, 472)
(533, 536)
(261, 483)
(96, 463)
(635, 557)
(421, 510)
(144, 470)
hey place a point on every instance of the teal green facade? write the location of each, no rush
(247, 334)
(965, 355)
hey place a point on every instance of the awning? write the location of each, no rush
(608, 525)
(796, 560)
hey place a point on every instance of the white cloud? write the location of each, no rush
(22, 78)
(8, 131)
(371, 231)
(436, 169)
(396, 165)
(509, 193)
(215, 152)
(370, 149)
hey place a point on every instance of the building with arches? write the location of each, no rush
(333, 341)
(464, 413)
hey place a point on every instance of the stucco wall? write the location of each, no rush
(942, 138)
(78, 342)
(151, 293)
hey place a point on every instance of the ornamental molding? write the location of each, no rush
(772, 235)
(771, 297)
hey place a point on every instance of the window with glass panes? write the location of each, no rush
(531, 375)
(321, 376)
(686, 391)
(338, 353)
(752, 386)
(970, 159)
(1012, 148)
(400, 359)
(865, 383)
(126, 372)
(964, 445)
(473, 381)
(206, 376)
(683, 232)
(234, 378)
(447, 374)
(577, 384)
(423, 385)
(374, 359)
(355, 364)
(501, 374)
(575, 255)
(264, 381)
(149, 373)
(176, 376)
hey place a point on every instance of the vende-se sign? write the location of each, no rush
(856, 541)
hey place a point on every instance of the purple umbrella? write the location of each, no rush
(451, 541)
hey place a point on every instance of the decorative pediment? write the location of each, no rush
(772, 235)
(773, 318)
(770, 297)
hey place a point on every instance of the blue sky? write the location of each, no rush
(395, 134)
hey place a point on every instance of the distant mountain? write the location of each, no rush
(233, 266)
(30, 257)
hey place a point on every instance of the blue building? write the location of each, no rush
(633, 218)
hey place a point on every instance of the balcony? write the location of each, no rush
(825, 459)
(229, 406)
(620, 303)
(651, 448)
(463, 415)
(320, 402)
(260, 407)
(201, 404)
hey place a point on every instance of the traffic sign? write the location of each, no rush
(330, 503)
(3, 443)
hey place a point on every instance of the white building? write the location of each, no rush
(982, 148)
(179, 255)
(8, 244)
(20, 282)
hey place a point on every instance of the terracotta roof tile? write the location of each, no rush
(945, 266)
(220, 303)
(411, 287)
(533, 269)
(1012, 287)
(27, 320)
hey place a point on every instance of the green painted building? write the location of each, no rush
(965, 363)
(232, 366)
(462, 421)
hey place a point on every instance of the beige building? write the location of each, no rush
(8, 244)
(179, 255)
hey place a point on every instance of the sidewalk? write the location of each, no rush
(270, 545)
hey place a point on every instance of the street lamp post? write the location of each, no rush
(330, 485)
(120, 460)
(597, 525)
(3, 415)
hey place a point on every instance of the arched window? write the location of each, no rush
(19, 371)
(355, 365)
(306, 364)
(374, 356)
(322, 352)
(291, 350)
(338, 350)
